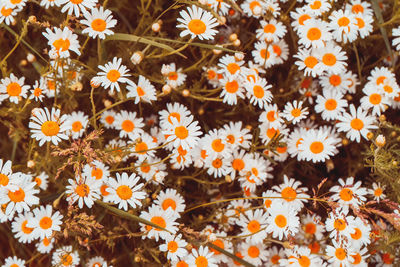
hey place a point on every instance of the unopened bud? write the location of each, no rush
(137, 259)
(382, 118)
(201, 111)
(349, 97)
(370, 135)
(23, 63)
(156, 27)
(186, 93)
(94, 83)
(239, 56)
(222, 20)
(76, 86)
(217, 51)
(32, 19)
(107, 103)
(31, 58)
(345, 141)
(30, 164)
(228, 178)
(380, 140)
(236, 43)
(166, 89)
(137, 57)
(233, 37)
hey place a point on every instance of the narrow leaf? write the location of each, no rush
(230, 255)
(143, 40)
(129, 216)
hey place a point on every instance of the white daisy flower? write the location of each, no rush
(78, 121)
(41, 180)
(170, 199)
(332, 57)
(294, 112)
(7, 14)
(77, 6)
(357, 123)
(143, 91)
(49, 3)
(44, 221)
(84, 189)
(13, 89)
(112, 74)
(173, 77)
(317, 146)
(343, 26)
(197, 22)
(62, 42)
(128, 124)
(13, 262)
(163, 218)
(253, 224)
(39, 89)
(19, 194)
(20, 230)
(66, 257)
(330, 104)
(271, 31)
(257, 91)
(45, 245)
(97, 170)
(98, 22)
(314, 33)
(125, 190)
(184, 133)
(46, 126)
(232, 89)
(175, 247)
(290, 193)
(202, 257)
(283, 221)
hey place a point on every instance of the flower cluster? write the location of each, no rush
(228, 133)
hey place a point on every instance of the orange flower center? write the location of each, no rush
(50, 128)
(375, 99)
(181, 132)
(340, 253)
(14, 89)
(304, 261)
(172, 246)
(76, 126)
(233, 68)
(127, 125)
(197, 26)
(168, 203)
(303, 18)
(314, 34)
(232, 87)
(253, 226)
(201, 261)
(253, 251)
(280, 221)
(343, 22)
(17, 195)
(99, 25)
(4, 179)
(310, 62)
(269, 28)
(124, 192)
(97, 172)
(339, 224)
(66, 259)
(113, 75)
(357, 124)
(310, 228)
(141, 148)
(45, 222)
(238, 164)
(26, 230)
(258, 91)
(217, 145)
(158, 220)
(296, 112)
(329, 59)
(330, 104)
(61, 44)
(82, 190)
(335, 80)
(357, 234)
(140, 91)
(346, 194)
(316, 147)
(6, 11)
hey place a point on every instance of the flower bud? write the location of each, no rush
(380, 140)
(137, 57)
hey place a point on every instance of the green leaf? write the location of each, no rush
(230, 255)
(129, 216)
(208, 46)
(378, 14)
(143, 40)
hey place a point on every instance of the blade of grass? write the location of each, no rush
(378, 14)
(23, 41)
(134, 38)
(230, 255)
(208, 46)
(129, 216)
